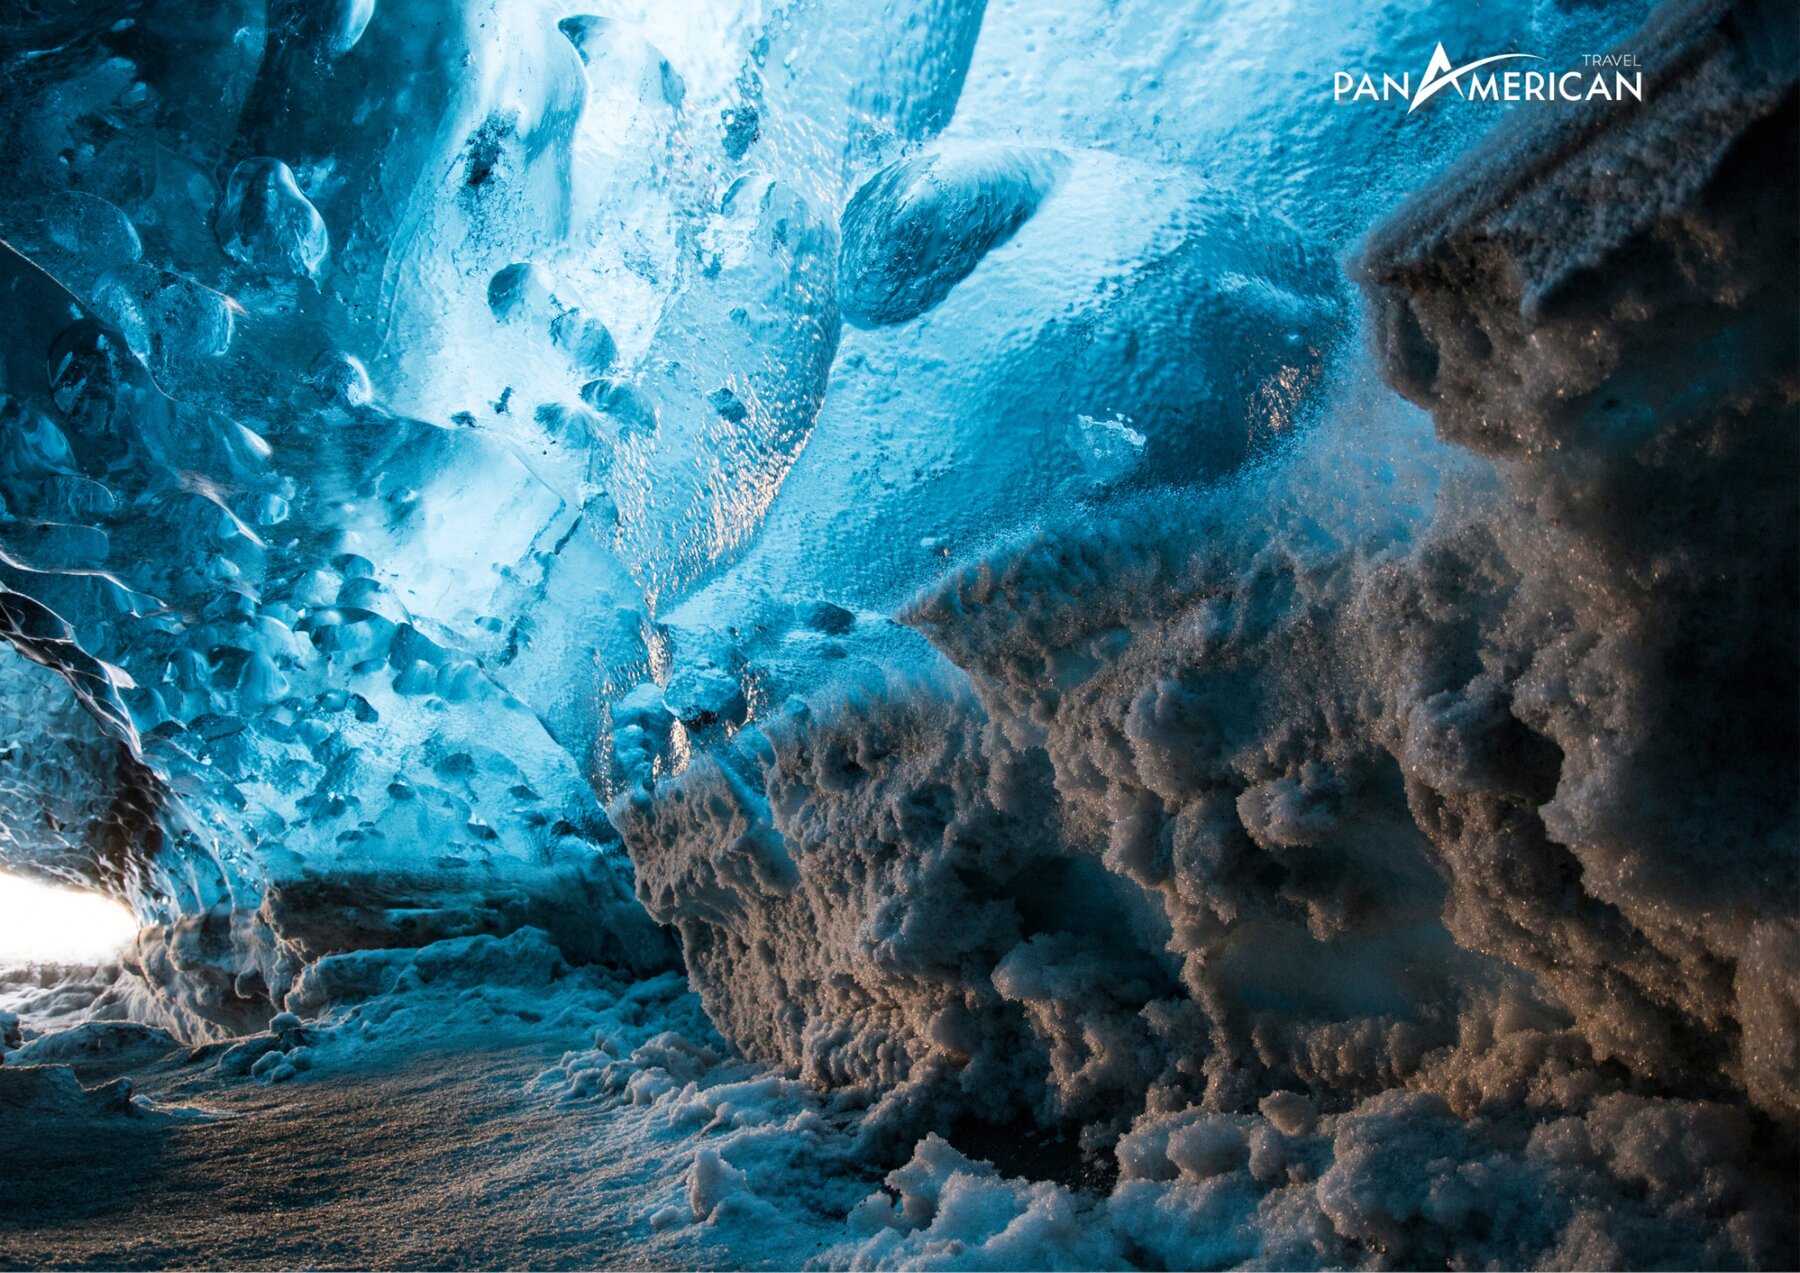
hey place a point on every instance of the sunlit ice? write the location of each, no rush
(43, 922)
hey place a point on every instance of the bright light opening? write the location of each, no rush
(40, 923)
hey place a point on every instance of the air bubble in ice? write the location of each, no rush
(268, 224)
(341, 378)
(742, 126)
(729, 406)
(823, 616)
(919, 227)
(93, 229)
(586, 340)
(346, 20)
(1109, 449)
(702, 696)
(629, 407)
(521, 289)
(163, 314)
(88, 370)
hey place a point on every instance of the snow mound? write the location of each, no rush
(1440, 792)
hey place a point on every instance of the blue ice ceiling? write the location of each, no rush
(426, 423)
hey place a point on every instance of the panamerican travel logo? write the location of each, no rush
(1610, 77)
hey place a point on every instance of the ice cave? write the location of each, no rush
(900, 634)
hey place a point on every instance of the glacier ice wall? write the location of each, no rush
(398, 397)
(1446, 794)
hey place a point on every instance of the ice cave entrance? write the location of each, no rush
(44, 923)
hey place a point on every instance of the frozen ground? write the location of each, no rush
(430, 1130)
(431, 1158)
(418, 1162)
(480, 1103)
(490, 1107)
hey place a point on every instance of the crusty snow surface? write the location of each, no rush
(478, 1103)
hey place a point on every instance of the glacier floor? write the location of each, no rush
(450, 1155)
(409, 1162)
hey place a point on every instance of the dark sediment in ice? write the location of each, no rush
(1475, 835)
(1609, 315)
